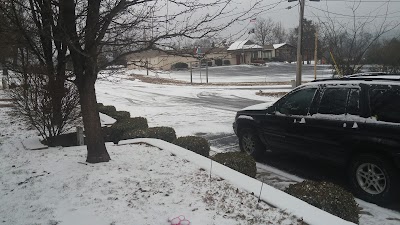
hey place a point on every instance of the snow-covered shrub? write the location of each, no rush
(328, 197)
(164, 133)
(218, 62)
(195, 144)
(124, 125)
(99, 105)
(120, 115)
(179, 65)
(238, 161)
(107, 109)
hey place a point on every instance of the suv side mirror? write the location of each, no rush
(271, 110)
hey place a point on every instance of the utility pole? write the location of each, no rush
(299, 44)
(315, 52)
(299, 41)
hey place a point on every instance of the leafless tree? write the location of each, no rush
(32, 94)
(40, 71)
(279, 33)
(349, 40)
(132, 27)
(264, 31)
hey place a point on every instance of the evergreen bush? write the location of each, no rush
(180, 65)
(328, 197)
(164, 133)
(218, 62)
(227, 62)
(107, 109)
(128, 124)
(120, 115)
(238, 161)
(195, 144)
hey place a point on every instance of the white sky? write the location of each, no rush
(340, 10)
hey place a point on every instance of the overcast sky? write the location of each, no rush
(341, 10)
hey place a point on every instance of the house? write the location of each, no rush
(244, 52)
(164, 60)
(239, 52)
(279, 52)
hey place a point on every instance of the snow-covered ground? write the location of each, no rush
(181, 107)
(271, 72)
(55, 186)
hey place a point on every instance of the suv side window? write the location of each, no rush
(385, 104)
(297, 103)
(353, 105)
(333, 101)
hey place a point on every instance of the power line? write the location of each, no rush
(345, 15)
(361, 1)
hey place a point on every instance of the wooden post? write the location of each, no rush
(207, 72)
(191, 73)
(79, 136)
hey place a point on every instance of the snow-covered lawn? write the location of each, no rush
(56, 185)
(142, 184)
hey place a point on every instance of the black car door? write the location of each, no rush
(333, 122)
(278, 124)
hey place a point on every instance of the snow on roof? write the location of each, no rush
(279, 45)
(245, 44)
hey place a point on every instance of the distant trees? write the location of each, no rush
(263, 31)
(349, 40)
(385, 55)
(266, 31)
(308, 41)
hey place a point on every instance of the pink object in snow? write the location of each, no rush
(180, 220)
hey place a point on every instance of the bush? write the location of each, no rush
(99, 105)
(328, 197)
(227, 62)
(180, 65)
(120, 115)
(218, 62)
(238, 161)
(164, 133)
(195, 144)
(107, 109)
(128, 124)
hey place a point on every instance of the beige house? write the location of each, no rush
(244, 52)
(280, 52)
(239, 52)
(164, 60)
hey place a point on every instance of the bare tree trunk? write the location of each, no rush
(96, 148)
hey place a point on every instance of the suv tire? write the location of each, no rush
(250, 143)
(373, 178)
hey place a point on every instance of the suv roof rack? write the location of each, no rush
(366, 77)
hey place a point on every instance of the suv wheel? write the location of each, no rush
(373, 178)
(250, 143)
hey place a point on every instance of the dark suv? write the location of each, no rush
(354, 122)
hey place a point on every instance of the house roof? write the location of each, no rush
(276, 46)
(242, 45)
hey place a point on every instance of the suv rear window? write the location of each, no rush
(385, 104)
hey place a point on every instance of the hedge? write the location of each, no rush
(164, 133)
(128, 124)
(238, 161)
(195, 144)
(328, 197)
